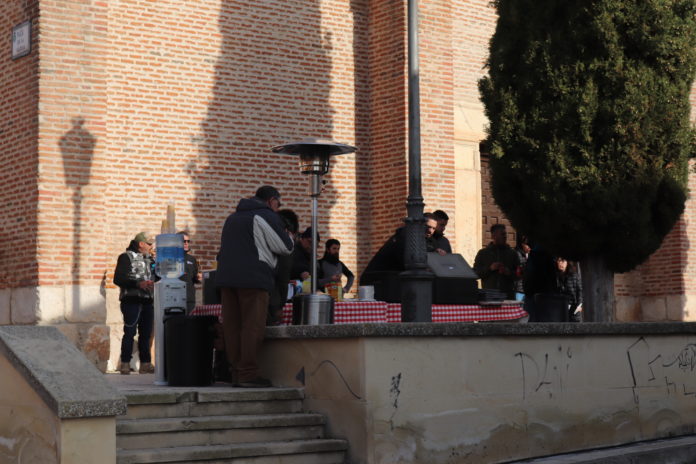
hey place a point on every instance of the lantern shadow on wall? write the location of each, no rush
(77, 150)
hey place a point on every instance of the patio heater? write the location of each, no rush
(315, 156)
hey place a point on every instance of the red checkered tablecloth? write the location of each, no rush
(345, 312)
(207, 310)
(466, 313)
(350, 312)
(359, 312)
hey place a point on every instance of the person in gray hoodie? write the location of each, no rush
(251, 240)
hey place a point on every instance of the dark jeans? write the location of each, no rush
(140, 316)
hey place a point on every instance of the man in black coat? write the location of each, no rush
(251, 240)
(302, 256)
(441, 242)
(192, 274)
(283, 269)
(390, 258)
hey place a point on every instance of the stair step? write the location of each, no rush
(217, 422)
(212, 395)
(216, 401)
(324, 451)
(214, 430)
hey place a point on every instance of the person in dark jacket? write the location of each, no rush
(192, 274)
(133, 276)
(496, 264)
(522, 249)
(283, 269)
(539, 278)
(251, 240)
(390, 258)
(302, 256)
(441, 242)
(568, 283)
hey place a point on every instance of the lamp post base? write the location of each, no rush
(416, 295)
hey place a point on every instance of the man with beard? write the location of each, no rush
(390, 258)
(331, 269)
(432, 242)
(497, 264)
(442, 242)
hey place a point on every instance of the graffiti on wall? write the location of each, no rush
(648, 370)
(545, 374)
(670, 374)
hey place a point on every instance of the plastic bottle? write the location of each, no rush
(170, 256)
(307, 285)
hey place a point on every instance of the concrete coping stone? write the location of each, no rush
(480, 329)
(59, 373)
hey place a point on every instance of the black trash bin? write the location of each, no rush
(188, 350)
(551, 307)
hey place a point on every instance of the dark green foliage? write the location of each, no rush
(588, 103)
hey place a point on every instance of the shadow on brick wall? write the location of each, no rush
(272, 85)
(77, 151)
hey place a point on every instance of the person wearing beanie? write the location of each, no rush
(133, 276)
(302, 256)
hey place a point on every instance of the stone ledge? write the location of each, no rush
(481, 329)
(60, 374)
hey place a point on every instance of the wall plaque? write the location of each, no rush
(21, 40)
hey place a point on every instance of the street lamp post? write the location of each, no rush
(416, 281)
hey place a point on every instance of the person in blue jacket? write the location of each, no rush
(251, 240)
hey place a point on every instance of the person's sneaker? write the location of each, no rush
(258, 382)
(146, 368)
(124, 368)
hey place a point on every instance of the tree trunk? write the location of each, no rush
(597, 290)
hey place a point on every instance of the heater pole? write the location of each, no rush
(314, 156)
(315, 194)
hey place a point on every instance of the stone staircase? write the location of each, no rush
(223, 425)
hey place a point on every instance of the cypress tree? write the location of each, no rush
(589, 135)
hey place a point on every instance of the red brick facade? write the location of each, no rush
(19, 100)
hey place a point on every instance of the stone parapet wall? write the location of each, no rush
(54, 405)
(441, 393)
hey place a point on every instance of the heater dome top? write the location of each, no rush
(312, 146)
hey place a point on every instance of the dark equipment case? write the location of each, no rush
(455, 280)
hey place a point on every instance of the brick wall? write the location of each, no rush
(72, 140)
(436, 40)
(388, 178)
(18, 152)
(195, 124)
(669, 272)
